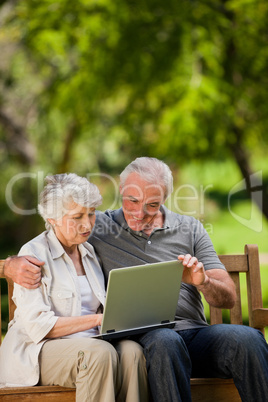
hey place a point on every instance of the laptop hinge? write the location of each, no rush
(110, 331)
(165, 322)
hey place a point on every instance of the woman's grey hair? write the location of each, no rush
(63, 189)
(151, 170)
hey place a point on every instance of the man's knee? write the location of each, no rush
(251, 339)
(239, 333)
(236, 337)
(163, 338)
(164, 345)
(169, 336)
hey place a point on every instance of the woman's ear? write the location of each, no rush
(52, 222)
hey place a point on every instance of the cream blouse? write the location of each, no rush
(38, 309)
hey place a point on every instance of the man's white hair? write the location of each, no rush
(151, 170)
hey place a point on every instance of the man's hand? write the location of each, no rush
(194, 272)
(24, 270)
(216, 285)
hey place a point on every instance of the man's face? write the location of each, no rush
(141, 202)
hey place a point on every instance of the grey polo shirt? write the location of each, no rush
(119, 246)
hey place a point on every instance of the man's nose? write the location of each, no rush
(140, 211)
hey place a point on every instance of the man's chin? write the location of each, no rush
(136, 225)
(139, 227)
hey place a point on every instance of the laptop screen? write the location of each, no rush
(141, 297)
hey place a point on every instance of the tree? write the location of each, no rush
(177, 80)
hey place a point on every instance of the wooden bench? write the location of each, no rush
(203, 389)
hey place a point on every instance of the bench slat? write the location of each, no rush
(215, 315)
(236, 311)
(37, 394)
(260, 317)
(235, 263)
(214, 390)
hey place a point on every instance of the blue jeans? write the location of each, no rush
(223, 351)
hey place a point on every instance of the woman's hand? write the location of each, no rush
(99, 318)
(70, 325)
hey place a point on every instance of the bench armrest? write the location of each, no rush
(260, 317)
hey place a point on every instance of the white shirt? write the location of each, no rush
(89, 305)
(38, 309)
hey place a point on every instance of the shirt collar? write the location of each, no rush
(171, 218)
(120, 218)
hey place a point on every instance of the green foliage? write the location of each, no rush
(183, 76)
(89, 85)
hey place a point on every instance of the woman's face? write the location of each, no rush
(75, 226)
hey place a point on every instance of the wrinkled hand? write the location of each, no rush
(193, 272)
(24, 270)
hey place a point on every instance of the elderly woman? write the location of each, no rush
(50, 339)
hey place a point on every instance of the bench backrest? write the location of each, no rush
(235, 264)
(11, 304)
(249, 264)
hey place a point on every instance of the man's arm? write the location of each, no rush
(24, 270)
(216, 285)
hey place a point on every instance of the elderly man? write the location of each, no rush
(145, 231)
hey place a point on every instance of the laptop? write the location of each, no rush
(141, 298)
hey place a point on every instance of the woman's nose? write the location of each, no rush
(87, 223)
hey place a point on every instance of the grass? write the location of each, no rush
(229, 235)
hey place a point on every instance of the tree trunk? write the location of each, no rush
(71, 135)
(241, 157)
(16, 140)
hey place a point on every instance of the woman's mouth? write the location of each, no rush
(85, 234)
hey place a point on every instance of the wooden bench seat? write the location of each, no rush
(203, 389)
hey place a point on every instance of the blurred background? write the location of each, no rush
(87, 86)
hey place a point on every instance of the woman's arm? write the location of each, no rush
(69, 325)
